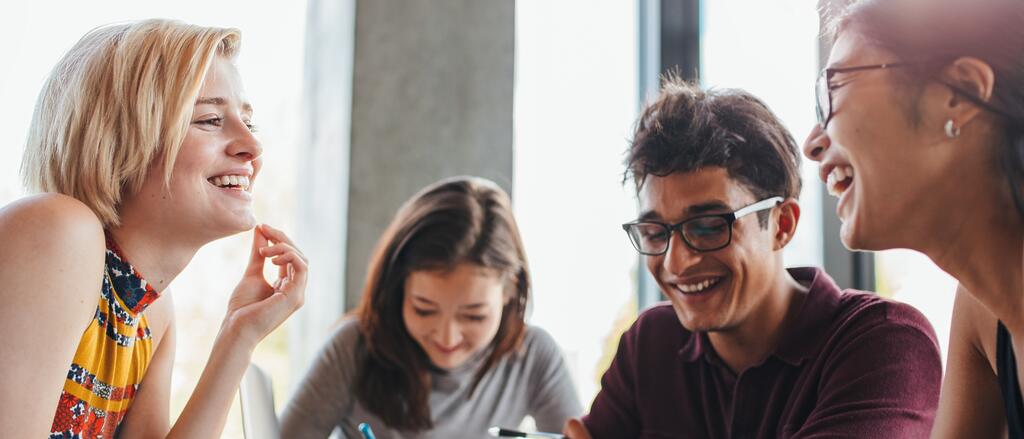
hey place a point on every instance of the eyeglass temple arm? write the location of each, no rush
(760, 205)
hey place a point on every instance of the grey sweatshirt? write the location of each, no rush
(533, 381)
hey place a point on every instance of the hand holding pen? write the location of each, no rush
(367, 432)
(574, 428)
(504, 432)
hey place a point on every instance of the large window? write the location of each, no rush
(771, 50)
(575, 101)
(911, 277)
(34, 35)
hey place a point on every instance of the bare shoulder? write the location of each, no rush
(53, 243)
(47, 219)
(976, 325)
(970, 403)
(51, 268)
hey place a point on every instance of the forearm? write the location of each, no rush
(206, 411)
(256, 307)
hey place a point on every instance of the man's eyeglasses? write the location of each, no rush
(703, 233)
(824, 86)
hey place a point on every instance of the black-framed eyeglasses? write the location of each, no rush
(824, 86)
(823, 90)
(703, 233)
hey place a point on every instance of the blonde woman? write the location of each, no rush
(142, 145)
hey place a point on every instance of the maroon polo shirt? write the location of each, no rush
(851, 365)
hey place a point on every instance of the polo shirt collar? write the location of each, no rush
(803, 339)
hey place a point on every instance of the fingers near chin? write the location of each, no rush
(277, 249)
(275, 234)
(279, 238)
(260, 234)
(283, 260)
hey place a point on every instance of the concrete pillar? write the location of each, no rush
(322, 195)
(431, 98)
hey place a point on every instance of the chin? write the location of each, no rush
(449, 362)
(847, 236)
(856, 238)
(240, 223)
(703, 327)
(694, 324)
(248, 224)
(223, 229)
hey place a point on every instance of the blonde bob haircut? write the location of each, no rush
(117, 102)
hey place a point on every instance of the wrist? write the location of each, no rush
(233, 335)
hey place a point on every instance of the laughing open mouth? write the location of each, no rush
(698, 287)
(238, 182)
(839, 180)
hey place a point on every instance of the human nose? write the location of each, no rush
(816, 143)
(450, 333)
(244, 145)
(679, 255)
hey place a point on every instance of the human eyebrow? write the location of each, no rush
(696, 209)
(219, 101)
(423, 300)
(211, 101)
(649, 216)
(708, 207)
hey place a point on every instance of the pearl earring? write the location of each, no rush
(952, 131)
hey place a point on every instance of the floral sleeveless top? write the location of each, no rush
(111, 358)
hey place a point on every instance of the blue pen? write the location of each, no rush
(367, 432)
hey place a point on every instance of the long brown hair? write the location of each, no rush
(454, 221)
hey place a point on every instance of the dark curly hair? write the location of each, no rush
(687, 129)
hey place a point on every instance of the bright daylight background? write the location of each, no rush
(575, 103)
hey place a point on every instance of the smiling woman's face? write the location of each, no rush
(880, 155)
(453, 314)
(210, 192)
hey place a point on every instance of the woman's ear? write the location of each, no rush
(970, 76)
(511, 287)
(786, 222)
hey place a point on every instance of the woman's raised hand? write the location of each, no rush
(257, 306)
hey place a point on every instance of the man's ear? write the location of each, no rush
(786, 220)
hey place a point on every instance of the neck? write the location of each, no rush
(156, 254)
(979, 243)
(969, 226)
(750, 343)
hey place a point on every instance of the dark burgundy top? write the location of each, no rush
(852, 365)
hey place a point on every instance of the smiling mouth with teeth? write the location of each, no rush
(839, 180)
(237, 182)
(698, 287)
